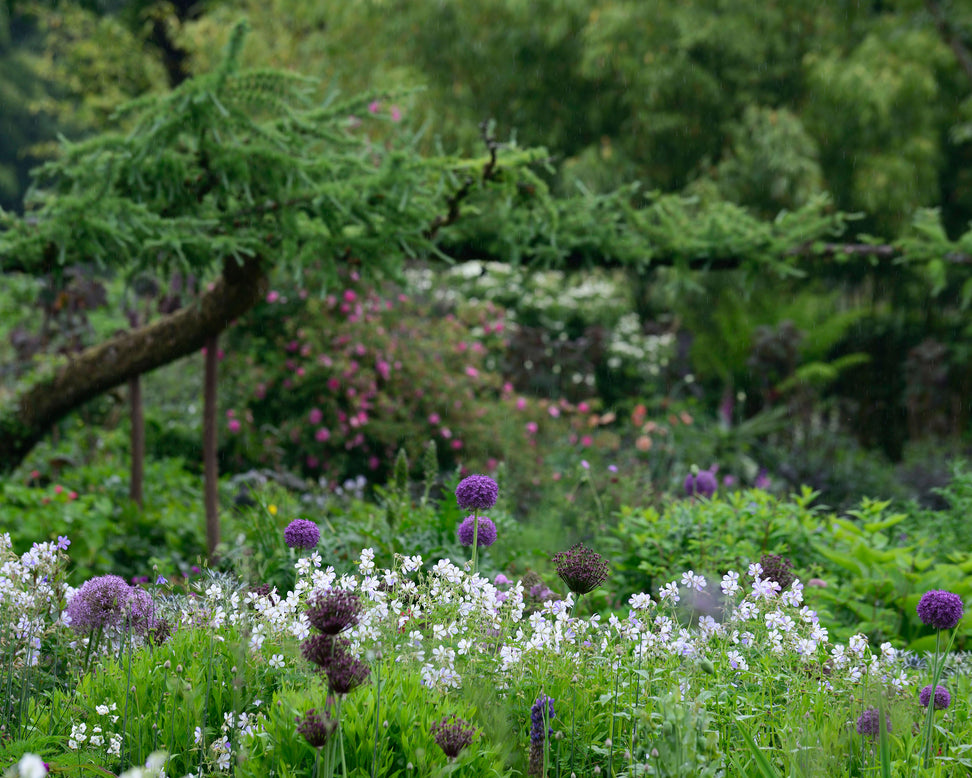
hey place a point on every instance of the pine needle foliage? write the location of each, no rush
(237, 164)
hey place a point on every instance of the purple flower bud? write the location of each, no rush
(316, 728)
(581, 568)
(333, 611)
(452, 735)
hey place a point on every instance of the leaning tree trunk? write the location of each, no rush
(50, 397)
(210, 446)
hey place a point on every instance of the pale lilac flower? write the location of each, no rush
(669, 592)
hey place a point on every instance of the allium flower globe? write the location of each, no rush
(321, 650)
(869, 723)
(942, 697)
(486, 535)
(316, 728)
(581, 568)
(452, 735)
(477, 493)
(333, 611)
(301, 533)
(345, 673)
(106, 602)
(940, 609)
(703, 484)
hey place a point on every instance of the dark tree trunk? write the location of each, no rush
(137, 440)
(95, 370)
(210, 446)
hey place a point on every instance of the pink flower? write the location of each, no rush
(374, 106)
(457, 444)
(373, 462)
(554, 411)
(315, 416)
(434, 418)
(261, 391)
(322, 434)
(586, 440)
(58, 489)
(446, 432)
(333, 384)
(72, 495)
(230, 413)
(507, 388)
(521, 403)
(396, 114)
(312, 463)
(472, 372)
(583, 407)
(235, 426)
(273, 296)
(532, 427)
(349, 296)
(384, 369)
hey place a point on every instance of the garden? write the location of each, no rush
(553, 400)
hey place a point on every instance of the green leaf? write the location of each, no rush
(766, 770)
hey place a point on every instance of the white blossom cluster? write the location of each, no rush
(32, 595)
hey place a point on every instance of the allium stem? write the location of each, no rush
(317, 763)
(937, 667)
(475, 554)
(340, 734)
(128, 693)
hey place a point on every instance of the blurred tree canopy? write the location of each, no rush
(765, 105)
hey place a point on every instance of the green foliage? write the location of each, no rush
(400, 706)
(190, 681)
(648, 547)
(108, 533)
(882, 573)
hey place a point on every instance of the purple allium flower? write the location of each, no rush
(703, 483)
(140, 610)
(942, 698)
(160, 632)
(940, 609)
(346, 673)
(100, 603)
(452, 734)
(321, 650)
(581, 568)
(538, 733)
(869, 723)
(777, 568)
(477, 493)
(316, 728)
(301, 533)
(333, 611)
(485, 537)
